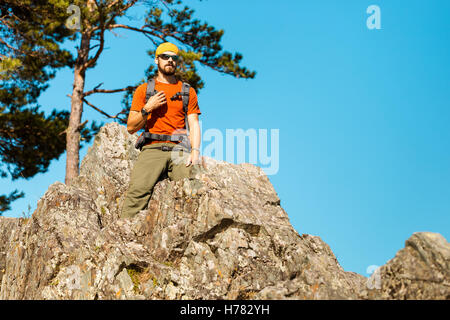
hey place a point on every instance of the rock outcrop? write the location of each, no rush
(220, 235)
(419, 271)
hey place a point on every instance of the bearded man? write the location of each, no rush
(163, 117)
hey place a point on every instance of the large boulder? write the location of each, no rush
(419, 271)
(220, 235)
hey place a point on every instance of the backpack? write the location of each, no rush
(183, 139)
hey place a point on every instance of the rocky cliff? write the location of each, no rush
(219, 235)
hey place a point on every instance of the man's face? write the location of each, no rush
(166, 66)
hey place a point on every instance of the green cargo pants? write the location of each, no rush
(151, 166)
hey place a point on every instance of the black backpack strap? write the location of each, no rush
(148, 94)
(185, 96)
(150, 89)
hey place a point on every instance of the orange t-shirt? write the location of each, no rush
(169, 117)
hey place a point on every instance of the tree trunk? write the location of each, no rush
(73, 131)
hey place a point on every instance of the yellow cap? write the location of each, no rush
(166, 46)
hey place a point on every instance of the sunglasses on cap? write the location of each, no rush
(167, 57)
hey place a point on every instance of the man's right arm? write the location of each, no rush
(135, 121)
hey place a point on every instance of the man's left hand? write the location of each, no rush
(194, 158)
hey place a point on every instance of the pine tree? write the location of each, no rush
(31, 34)
(29, 55)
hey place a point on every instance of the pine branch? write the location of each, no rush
(94, 59)
(96, 90)
(141, 30)
(118, 12)
(98, 109)
(17, 50)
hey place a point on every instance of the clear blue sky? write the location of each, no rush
(363, 114)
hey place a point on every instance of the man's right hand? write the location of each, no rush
(155, 101)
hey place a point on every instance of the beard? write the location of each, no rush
(167, 70)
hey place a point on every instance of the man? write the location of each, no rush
(165, 116)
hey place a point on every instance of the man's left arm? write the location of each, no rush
(195, 138)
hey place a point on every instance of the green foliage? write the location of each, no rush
(200, 41)
(29, 140)
(31, 32)
(199, 44)
(6, 200)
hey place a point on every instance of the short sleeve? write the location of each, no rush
(193, 102)
(139, 98)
